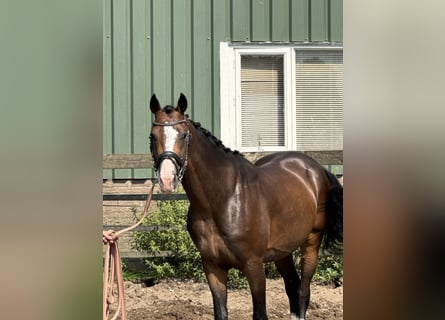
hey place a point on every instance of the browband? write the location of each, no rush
(166, 124)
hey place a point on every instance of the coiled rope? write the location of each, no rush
(113, 269)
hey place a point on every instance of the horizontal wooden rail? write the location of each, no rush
(170, 254)
(127, 161)
(334, 157)
(143, 197)
(145, 161)
(117, 227)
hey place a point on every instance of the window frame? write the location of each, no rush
(286, 89)
(230, 90)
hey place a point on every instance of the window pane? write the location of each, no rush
(319, 100)
(262, 101)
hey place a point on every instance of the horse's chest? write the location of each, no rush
(209, 241)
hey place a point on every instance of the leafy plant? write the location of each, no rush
(174, 254)
(329, 270)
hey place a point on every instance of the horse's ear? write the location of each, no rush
(154, 104)
(182, 103)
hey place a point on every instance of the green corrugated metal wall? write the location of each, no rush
(172, 46)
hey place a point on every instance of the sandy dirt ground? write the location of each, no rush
(186, 300)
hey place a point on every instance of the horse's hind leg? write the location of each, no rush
(308, 264)
(286, 268)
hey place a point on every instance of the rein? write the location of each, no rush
(180, 163)
(113, 269)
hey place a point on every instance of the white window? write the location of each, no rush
(281, 98)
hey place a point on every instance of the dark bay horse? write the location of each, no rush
(242, 214)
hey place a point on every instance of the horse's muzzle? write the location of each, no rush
(171, 170)
(168, 178)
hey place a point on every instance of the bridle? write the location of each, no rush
(179, 162)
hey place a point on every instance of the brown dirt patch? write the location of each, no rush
(186, 300)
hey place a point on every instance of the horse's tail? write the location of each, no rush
(334, 228)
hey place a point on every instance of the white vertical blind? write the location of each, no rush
(319, 100)
(262, 101)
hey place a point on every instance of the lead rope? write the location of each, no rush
(113, 269)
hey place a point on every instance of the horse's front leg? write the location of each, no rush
(254, 271)
(217, 279)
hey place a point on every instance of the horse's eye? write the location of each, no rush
(152, 138)
(184, 135)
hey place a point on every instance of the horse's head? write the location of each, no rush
(169, 140)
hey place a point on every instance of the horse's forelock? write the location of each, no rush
(168, 109)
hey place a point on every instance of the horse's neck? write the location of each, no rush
(206, 176)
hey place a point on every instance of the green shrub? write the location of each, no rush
(330, 268)
(169, 234)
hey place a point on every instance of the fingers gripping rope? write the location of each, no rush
(113, 269)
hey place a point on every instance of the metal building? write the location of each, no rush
(168, 47)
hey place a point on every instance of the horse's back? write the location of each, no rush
(299, 157)
(294, 164)
(294, 180)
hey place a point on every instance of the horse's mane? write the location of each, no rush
(214, 139)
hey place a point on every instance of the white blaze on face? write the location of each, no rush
(167, 171)
(171, 134)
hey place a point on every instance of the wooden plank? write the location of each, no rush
(169, 254)
(148, 255)
(117, 227)
(127, 161)
(334, 157)
(143, 197)
(327, 157)
(133, 161)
